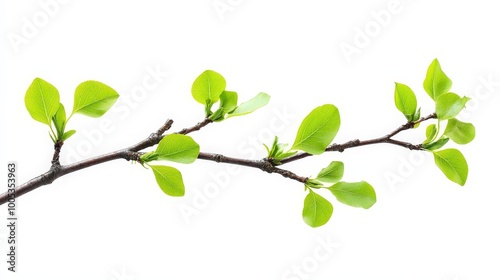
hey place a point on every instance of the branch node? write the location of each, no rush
(218, 158)
(52, 175)
(267, 166)
(135, 156)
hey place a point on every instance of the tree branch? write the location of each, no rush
(132, 153)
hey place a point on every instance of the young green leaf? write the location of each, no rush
(282, 154)
(460, 132)
(357, 194)
(436, 82)
(208, 107)
(277, 151)
(169, 179)
(228, 101)
(60, 120)
(318, 129)
(430, 133)
(453, 164)
(67, 135)
(317, 210)
(42, 101)
(405, 100)
(260, 100)
(208, 86)
(416, 117)
(178, 148)
(271, 152)
(147, 157)
(332, 173)
(218, 115)
(436, 144)
(449, 105)
(314, 183)
(93, 99)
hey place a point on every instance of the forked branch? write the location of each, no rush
(133, 153)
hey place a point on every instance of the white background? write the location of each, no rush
(113, 222)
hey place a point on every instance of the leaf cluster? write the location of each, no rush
(42, 100)
(448, 105)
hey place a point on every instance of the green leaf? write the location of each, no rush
(317, 210)
(436, 145)
(228, 101)
(283, 155)
(208, 86)
(178, 148)
(358, 194)
(416, 117)
(208, 107)
(218, 115)
(67, 135)
(430, 133)
(271, 152)
(332, 173)
(277, 151)
(42, 101)
(405, 100)
(436, 82)
(314, 183)
(318, 129)
(453, 164)
(148, 157)
(60, 120)
(449, 105)
(260, 100)
(93, 99)
(460, 132)
(169, 179)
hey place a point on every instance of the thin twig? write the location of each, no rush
(57, 151)
(196, 127)
(357, 143)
